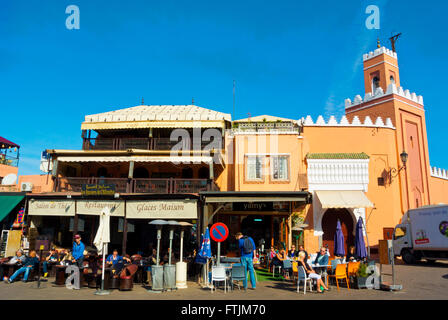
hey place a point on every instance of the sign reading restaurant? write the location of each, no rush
(94, 207)
(174, 209)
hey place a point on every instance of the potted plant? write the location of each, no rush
(362, 275)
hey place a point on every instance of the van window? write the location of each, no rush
(399, 232)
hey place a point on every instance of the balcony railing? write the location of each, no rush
(140, 143)
(9, 161)
(125, 185)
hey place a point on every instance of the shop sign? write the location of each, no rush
(260, 206)
(97, 190)
(94, 207)
(51, 208)
(174, 209)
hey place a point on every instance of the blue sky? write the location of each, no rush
(289, 58)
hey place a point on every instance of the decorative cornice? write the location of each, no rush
(332, 122)
(379, 51)
(391, 89)
(439, 173)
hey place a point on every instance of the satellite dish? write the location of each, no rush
(9, 179)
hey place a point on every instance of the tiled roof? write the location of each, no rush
(361, 155)
(159, 113)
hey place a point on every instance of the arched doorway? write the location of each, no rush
(329, 221)
(141, 173)
(204, 173)
(102, 172)
(187, 173)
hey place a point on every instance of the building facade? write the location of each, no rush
(282, 181)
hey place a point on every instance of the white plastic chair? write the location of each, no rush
(302, 276)
(219, 274)
(273, 270)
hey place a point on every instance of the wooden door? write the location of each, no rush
(329, 222)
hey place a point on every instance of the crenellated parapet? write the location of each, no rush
(379, 51)
(379, 92)
(439, 173)
(356, 122)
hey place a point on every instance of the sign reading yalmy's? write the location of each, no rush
(260, 206)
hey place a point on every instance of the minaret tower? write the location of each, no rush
(385, 98)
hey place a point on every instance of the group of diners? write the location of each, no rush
(79, 256)
(320, 262)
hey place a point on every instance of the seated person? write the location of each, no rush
(350, 255)
(301, 248)
(293, 252)
(281, 256)
(322, 260)
(116, 261)
(311, 273)
(52, 258)
(28, 264)
(153, 257)
(272, 256)
(166, 257)
(322, 257)
(18, 259)
(149, 262)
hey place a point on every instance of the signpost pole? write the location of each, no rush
(219, 233)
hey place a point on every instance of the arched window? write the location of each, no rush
(375, 83)
(141, 173)
(187, 173)
(203, 173)
(102, 172)
(392, 79)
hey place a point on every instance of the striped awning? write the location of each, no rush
(343, 199)
(174, 159)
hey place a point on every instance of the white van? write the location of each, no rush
(422, 233)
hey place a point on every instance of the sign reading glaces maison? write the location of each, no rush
(174, 209)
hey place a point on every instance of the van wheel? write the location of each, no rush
(407, 257)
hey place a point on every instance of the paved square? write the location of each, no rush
(420, 281)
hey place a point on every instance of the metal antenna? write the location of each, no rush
(394, 39)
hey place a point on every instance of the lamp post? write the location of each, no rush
(393, 172)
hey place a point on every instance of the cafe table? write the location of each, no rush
(60, 276)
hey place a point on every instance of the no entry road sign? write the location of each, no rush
(219, 232)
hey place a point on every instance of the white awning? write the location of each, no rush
(343, 199)
(174, 159)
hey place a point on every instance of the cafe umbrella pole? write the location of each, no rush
(101, 239)
(181, 266)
